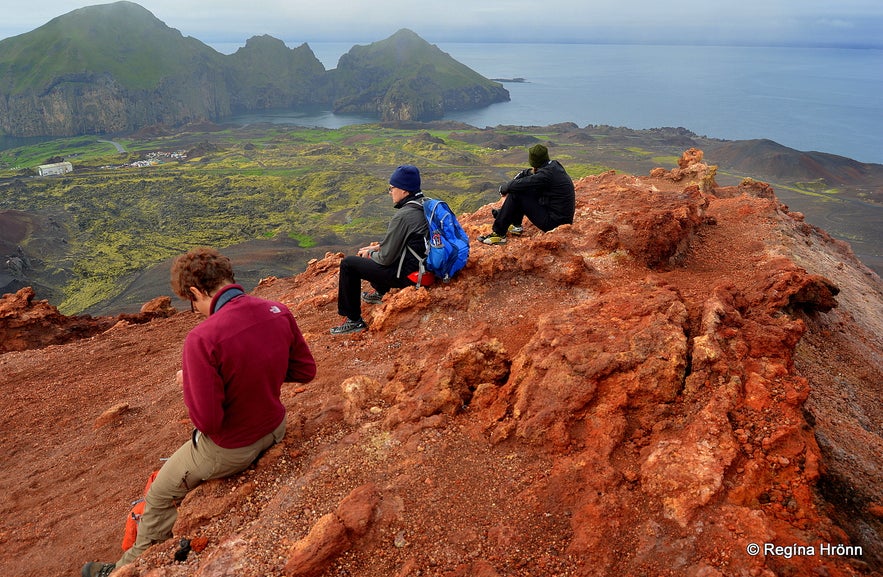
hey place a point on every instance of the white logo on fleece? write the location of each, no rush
(276, 310)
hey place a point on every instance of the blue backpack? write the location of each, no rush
(447, 246)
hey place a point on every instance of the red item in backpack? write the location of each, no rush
(426, 280)
(135, 516)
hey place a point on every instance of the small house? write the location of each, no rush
(53, 169)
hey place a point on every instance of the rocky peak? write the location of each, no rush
(686, 373)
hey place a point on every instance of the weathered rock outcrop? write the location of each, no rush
(601, 399)
(29, 324)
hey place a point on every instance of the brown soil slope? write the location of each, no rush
(680, 376)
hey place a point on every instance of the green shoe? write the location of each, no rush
(492, 238)
(516, 230)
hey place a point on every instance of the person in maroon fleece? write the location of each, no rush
(234, 364)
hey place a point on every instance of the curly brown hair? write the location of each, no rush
(203, 268)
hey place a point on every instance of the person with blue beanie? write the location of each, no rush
(386, 264)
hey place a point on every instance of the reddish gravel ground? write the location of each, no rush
(500, 480)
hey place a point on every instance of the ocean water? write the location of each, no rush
(821, 99)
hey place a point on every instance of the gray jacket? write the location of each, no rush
(407, 228)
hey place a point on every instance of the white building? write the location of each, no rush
(52, 169)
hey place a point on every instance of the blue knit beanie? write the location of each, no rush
(406, 177)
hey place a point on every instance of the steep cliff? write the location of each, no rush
(106, 69)
(686, 381)
(267, 74)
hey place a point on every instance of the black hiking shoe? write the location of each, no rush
(372, 298)
(349, 327)
(96, 569)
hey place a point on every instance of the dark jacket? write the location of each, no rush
(407, 228)
(552, 187)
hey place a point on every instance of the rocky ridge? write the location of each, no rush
(687, 372)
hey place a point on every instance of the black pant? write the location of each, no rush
(516, 207)
(355, 268)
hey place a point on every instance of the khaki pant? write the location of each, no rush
(198, 460)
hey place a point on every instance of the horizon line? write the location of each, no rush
(832, 45)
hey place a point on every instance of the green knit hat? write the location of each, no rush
(538, 155)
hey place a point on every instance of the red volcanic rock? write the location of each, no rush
(756, 188)
(572, 364)
(690, 171)
(312, 555)
(422, 389)
(356, 511)
(690, 157)
(333, 534)
(685, 373)
(112, 414)
(160, 306)
(29, 324)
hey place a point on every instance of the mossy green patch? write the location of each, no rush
(818, 186)
(304, 240)
(578, 170)
(666, 161)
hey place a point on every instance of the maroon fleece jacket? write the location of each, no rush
(234, 364)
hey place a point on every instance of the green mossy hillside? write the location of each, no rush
(404, 78)
(115, 68)
(314, 188)
(121, 40)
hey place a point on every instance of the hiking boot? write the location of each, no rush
(96, 569)
(372, 297)
(492, 238)
(513, 229)
(349, 327)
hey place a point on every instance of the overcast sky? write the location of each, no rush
(771, 22)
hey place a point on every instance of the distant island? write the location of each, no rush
(516, 79)
(115, 68)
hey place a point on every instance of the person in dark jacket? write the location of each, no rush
(387, 264)
(234, 364)
(543, 193)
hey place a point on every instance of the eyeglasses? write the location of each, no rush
(390, 188)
